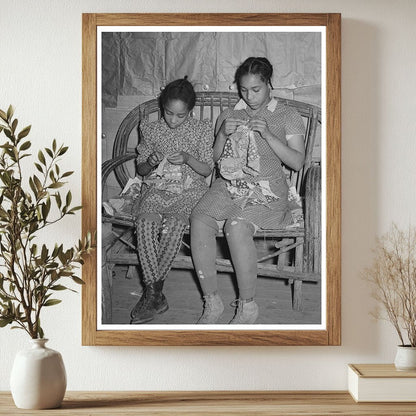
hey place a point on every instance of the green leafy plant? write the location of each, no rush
(393, 277)
(30, 272)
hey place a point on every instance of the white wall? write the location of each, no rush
(40, 73)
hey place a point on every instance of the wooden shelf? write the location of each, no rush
(180, 403)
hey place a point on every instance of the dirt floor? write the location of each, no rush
(274, 298)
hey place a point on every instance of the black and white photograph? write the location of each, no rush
(211, 172)
(212, 147)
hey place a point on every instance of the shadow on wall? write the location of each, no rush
(361, 185)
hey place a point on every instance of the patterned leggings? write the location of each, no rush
(158, 243)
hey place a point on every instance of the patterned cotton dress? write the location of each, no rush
(218, 202)
(192, 136)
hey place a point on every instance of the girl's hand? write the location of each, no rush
(260, 125)
(179, 158)
(229, 125)
(154, 159)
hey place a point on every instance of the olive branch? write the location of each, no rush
(30, 274)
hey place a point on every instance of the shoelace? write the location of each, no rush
(236, 303)
(240, 302)
(207, 304)
(207, 307)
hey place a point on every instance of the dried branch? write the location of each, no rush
(393, 277)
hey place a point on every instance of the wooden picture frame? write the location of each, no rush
(331, 333)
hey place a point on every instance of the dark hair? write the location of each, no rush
(180, 89)
(256, 66)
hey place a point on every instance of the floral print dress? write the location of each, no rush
(192, 136)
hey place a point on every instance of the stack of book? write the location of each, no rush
(381, 383)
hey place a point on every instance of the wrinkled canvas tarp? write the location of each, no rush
(141, 63)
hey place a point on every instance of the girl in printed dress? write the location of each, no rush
(174, 157)
(252, 141)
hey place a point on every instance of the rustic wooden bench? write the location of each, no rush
(295, 253)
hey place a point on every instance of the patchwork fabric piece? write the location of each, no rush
(169, 177)
(240, 157)
(239, 164)
(295, 205)
(244, 192)
(123, 205)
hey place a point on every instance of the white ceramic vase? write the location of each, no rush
(38, 377)
(405, 358)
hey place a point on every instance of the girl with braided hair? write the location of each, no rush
(174, 157)
(252, 141)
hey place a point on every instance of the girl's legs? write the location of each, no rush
(239, 234)
(152, 300)
(204, 253)
(147, 230)
(170, 242)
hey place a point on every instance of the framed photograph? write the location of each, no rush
(149, 160)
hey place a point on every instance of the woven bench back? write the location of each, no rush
(208, 106)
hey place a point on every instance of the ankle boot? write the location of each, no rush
(149, 292)
(213, 309)
(246, 313)
(152, 302)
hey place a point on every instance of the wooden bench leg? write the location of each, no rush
(297, 295)
(108, 240)
(283, 258)
(107, 293)
(297, 286)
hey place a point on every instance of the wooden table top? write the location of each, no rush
(179, 403)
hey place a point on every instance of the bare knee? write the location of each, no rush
(238, 228)
(202, 221)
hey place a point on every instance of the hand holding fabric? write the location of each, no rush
(155, 158)
(230, 125)
(259, 125)
(178, 158)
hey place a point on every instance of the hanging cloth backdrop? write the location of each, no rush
(141, 63)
